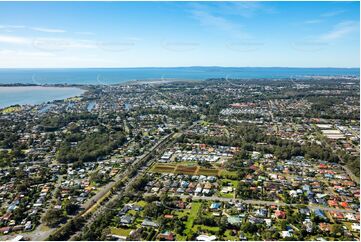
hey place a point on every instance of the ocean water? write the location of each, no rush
(35, 95)
(119, 75)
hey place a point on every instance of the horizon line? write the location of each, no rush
(138, 67)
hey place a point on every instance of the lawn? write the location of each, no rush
(182, 213)
(233, 182)
(206, 228)
(226, 195)
(229, 174)
(120, 231)
(190, 228)
(138, 221)
(180, 238)
(228, 236)
(234, 185)
(193, 214)
(132, 212)
(142, 203)
(204, 123)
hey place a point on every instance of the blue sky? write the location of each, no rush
(146, 34)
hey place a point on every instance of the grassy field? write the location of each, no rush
(190, 228)
(163, 168)
(209, 172)
(180, 214)
(212, 230)
(120, 231)
(227, 195)
(193, 214)
(229, 174)
(228, 236)
(188, 170)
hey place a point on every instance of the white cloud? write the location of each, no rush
(41, 60)
(340, 30)
(47, 30)
(313, 21)
(248, 9)
(49, 44)
(12, 26)
(85, 33)
(221, 15)
(9, 39)
(20, 53)
(61, 44)
(333, 13)
(206, 18)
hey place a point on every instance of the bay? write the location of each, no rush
(35, 94)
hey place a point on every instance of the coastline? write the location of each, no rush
(157, 81)
(85, 87)
(21, 95)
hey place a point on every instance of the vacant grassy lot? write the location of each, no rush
(163, 168)
(209, 172)
(188, 170)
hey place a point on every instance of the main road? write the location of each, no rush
(127, 185)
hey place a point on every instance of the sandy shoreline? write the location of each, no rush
(157, 81)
